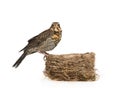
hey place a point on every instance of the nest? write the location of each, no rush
(71, 67)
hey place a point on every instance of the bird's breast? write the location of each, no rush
(47, 45)
(56, 36)
(51, 42)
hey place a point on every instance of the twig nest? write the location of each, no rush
(71, 67)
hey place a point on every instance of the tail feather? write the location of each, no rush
(17, 63)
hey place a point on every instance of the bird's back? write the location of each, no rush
(37, 41)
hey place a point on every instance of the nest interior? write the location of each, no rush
(71, 67)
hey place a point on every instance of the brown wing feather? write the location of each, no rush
(37, 40)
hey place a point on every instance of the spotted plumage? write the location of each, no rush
(45, 41)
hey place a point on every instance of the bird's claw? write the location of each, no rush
(45, 55)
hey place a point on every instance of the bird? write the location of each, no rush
(43, 42)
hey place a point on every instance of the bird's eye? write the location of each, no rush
(52, 25)
(58, 25)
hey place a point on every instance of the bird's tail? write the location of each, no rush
(17, 63)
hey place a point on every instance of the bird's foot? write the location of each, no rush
(44, 58)
(45, 55)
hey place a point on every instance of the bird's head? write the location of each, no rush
(56, 27)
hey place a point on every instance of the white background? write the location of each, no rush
(88, 26)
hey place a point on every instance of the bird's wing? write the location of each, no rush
(37, 40)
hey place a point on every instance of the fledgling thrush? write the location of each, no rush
(45, 41)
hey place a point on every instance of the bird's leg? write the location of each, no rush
(45, 54)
